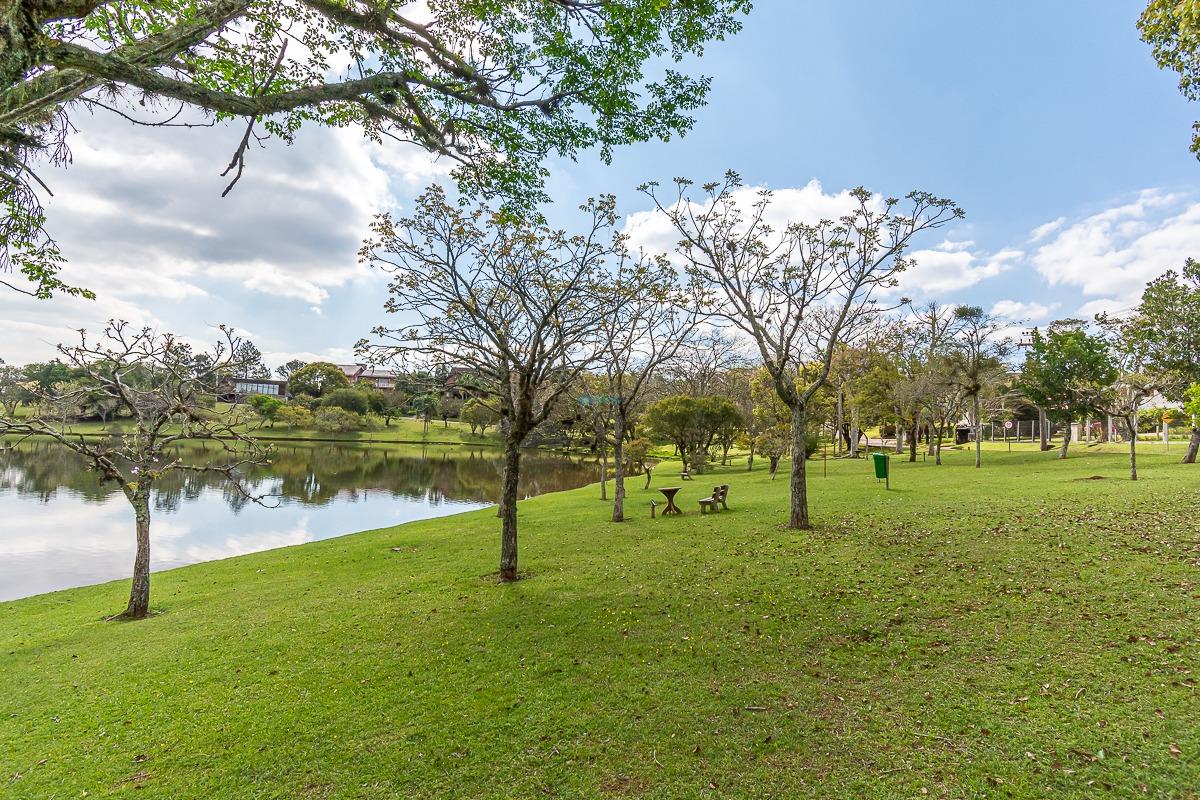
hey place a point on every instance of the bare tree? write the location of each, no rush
(516, 304)
(702, 359)
(799, 291)
(167, 389)
(644, 332)
(977, 362)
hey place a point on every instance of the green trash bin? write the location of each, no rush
(881, 466)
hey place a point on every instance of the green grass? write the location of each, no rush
(403, 430)
(1015, 631)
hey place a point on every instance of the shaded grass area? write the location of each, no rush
(1015, 631)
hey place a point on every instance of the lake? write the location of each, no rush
(60, 526)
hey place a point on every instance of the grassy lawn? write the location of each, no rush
(1024, 630)
(402, 430)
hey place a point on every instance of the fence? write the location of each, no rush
(1022, 430)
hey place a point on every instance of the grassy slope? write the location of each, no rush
(1013, 632)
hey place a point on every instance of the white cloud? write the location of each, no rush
(1042, 231)
(140, 218)
(1019, 310)
(335, 355)
(951, 266)
(1111, 255)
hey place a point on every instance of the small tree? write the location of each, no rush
(691, 424)
(294, 416)
(479, 415)
(14, 388)
(505, 298)
(449, 406)
(424, 406)
(1065, 370)
(1165, 329)
(774, 443)
(394, 404)
(976, 365)
(1192, 406)
(644, 331)
(156, 379)
(799, 292)
(266, 406)
(250, 362)
(285, 371)
(317, 379)
(723, 422)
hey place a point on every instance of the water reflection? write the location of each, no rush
(60, 526)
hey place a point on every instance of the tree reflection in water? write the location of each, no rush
(61, 527)
(310, 475)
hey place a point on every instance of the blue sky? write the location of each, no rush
(1031, 115)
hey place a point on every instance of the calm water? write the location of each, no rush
(61, 527)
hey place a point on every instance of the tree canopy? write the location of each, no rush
(316, 379)
(492, 86)
(1172, 29)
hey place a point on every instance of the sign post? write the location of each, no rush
(1008, 427)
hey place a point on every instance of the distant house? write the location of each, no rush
(361, 373)
(237, 390)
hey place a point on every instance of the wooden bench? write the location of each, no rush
(717, 501)
(685, 475)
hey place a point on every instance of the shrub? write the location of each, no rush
(635, 455)
(332, 419)
(294, 415)
(354, 400)
(372, 422)
(812, 443)
(265, 405)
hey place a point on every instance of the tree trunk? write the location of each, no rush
(1131, 423)
(1066, 440)
(798, 518)
(912, 442)
(139, 592)
(1043, 430)
(937, 452)
(838, 423)
(618, 514)
(508, 510)
(854, 431)
(750, 458)
(1193, 445)
(774, 465)
(978, 432)
(603, 472)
